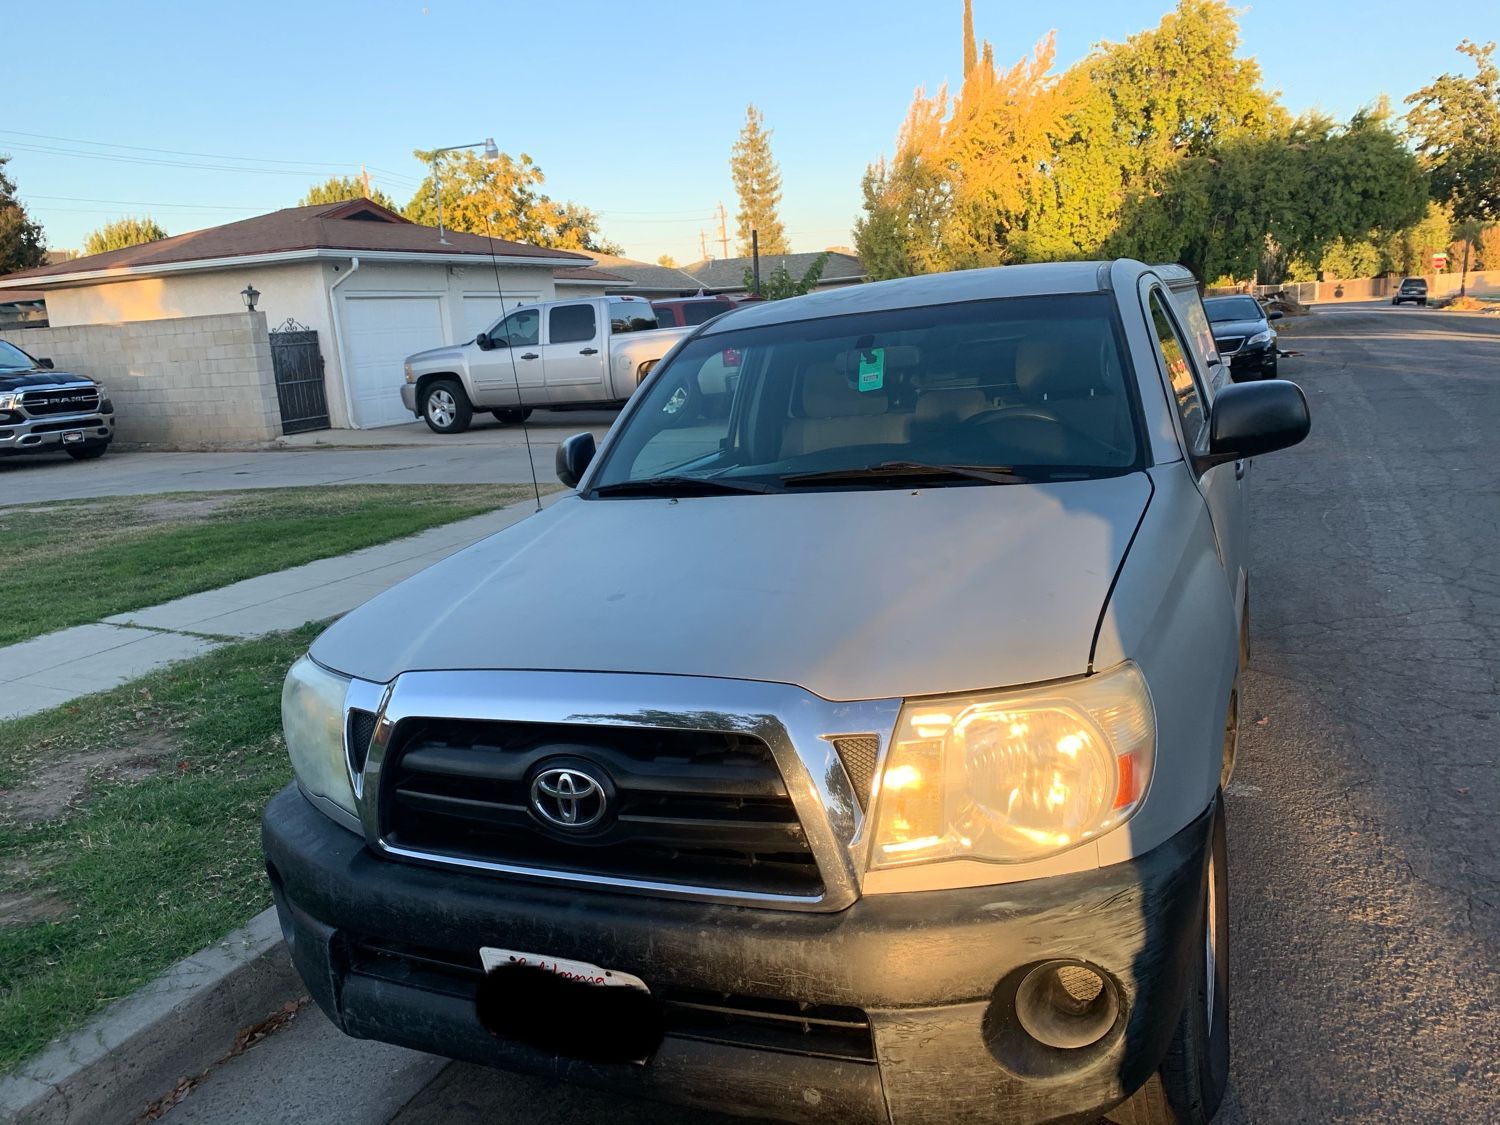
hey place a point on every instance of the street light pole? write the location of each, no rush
(490, 153)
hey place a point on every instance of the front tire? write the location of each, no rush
(1190, 1083)
(445, 407)
(513, 415)
(88, 452)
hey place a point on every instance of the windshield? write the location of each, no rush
(1233, 308)
(1032, 385)
(12, 357)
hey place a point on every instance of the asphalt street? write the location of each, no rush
(1365, 849)
(411, 454)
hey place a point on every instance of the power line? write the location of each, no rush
(180, 152)
(149, 203)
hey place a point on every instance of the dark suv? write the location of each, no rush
(1413, 289)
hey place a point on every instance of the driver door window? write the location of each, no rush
(1176, 361)
(521, 329)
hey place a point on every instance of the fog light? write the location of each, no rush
(1067, 1004)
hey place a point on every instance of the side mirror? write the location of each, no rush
(44, 363)
(573, 458)
(482, 342)
(1253, 418)
(1274, 314)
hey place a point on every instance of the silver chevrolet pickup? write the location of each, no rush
(47, 411)
(592, 352)
(850, 751)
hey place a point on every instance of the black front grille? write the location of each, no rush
(1229, 343)
(762, 1023)
(80, 400)
(706, 810)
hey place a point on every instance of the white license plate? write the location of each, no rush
(72, 437)
(581, 971)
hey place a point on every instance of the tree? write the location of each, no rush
(122, 233)
(503, 198)
(757, 181)
(668, 261)
(1409, 250)
(1455, 124)
(781, 284)
(1277, 198)
(336, 189)
(21, 241)
(1489, 247)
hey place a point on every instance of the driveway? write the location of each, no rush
(411, 454)
(1365, 849)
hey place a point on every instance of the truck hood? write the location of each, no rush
(25, 379)
(851, 595)
(448, 355)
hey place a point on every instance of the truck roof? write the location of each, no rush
(929, 289)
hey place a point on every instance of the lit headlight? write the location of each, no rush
(1260, 337)
(1015, 776)
(312, 716)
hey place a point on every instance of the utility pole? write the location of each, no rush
(723, 231)
(702, 246)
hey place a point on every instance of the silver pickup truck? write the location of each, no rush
(592, 352)
(47, 411)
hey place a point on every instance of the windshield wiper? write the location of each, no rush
(905, 470)
(681, 485)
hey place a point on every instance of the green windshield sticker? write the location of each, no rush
(872, 369)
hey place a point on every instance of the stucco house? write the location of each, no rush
(374, 286)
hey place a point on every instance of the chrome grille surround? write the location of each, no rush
(795, 724)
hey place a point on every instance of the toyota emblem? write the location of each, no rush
(568, 798)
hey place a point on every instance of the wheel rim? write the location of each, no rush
(441, 408)
(1211, 940)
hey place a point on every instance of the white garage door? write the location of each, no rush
(382, 332)
(482, 309)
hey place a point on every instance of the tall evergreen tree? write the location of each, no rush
(757, 181)
(971, 56)
(122, 233)
(21, 245)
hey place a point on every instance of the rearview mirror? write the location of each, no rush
(1253, 418)
(44, 363)
(573, 458)
(1274, 314)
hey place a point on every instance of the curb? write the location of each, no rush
(178, 1024)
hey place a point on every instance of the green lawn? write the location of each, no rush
(75, 562)
(129, 832)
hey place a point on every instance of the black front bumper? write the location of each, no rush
(1253, 363)
(909, 996)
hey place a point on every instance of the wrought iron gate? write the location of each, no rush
(299, 378)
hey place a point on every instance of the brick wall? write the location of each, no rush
(198, 380)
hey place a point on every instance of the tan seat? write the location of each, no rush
(949, 404)
(836, 415)
(1066, 379)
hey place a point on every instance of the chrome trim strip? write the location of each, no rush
(789, 720)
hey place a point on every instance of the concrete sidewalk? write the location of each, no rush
(54, 669)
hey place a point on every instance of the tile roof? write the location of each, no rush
(589, 273)
(354, 225)
(728, 274)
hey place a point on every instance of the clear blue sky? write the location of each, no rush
(629, 107)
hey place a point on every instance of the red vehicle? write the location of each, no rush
(686, 312)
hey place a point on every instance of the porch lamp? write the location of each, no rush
(490, 153)
(250, 295)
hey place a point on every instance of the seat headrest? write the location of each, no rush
(826, 393)
(1059, 368)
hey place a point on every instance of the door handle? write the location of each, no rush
(1239, 469)
(530, 355)
(588, 351)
